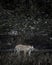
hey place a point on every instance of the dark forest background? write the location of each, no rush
(26, 22)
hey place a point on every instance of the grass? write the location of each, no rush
(36, 58)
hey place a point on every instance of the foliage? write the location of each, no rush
(28, 18)
(36, 58)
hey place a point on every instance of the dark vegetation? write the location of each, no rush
(36, 58)
(26, 22)
(30, 19)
